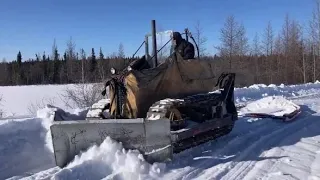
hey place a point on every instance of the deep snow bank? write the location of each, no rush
(24, 147)
(273, 105)
(258, 91)
(110, 161)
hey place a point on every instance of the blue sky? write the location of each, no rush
(31, 26)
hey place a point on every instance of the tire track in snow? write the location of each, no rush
(231, 147)
(241, 168)
(241, 163)
(194, 170)
(240, 133)
(262, 143)
(308, 125)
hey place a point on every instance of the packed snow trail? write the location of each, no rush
(235, 155)
(255, 149)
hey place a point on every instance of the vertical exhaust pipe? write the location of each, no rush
(154, 43)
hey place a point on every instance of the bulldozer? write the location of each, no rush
(157, 109)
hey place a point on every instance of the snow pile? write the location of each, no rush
(259, 91)
(49, 112)
(273, 105)
(23, 147)
(29, 141)
(110, 161)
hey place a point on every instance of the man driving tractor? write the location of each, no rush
(183, 47)
(179, 45)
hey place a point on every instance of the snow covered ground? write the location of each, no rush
(24, 101)
(255, 149)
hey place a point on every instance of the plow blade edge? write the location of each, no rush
(151, 137)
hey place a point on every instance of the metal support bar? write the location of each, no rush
(154, 42)
(146, 41)
(186, 31)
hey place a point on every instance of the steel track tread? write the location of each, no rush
(200, 139)
(160, 108)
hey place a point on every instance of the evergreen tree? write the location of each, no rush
(19, 59)
(93, 61)
(19, 69)
(101, 56)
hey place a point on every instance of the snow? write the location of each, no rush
(24, 101)
(110, 161)
(273, 105)
(24, 147)
(255, 149)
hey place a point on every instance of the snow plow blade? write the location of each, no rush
(151, 137)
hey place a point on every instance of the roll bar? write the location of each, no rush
(186, 32)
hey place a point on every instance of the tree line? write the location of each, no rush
(69, 67)
(289, 56)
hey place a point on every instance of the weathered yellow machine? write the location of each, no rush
(158, 109)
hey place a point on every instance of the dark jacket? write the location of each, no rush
(183, 47)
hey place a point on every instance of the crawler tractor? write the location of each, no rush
(158, 109)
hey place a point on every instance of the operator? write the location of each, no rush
(183, 47)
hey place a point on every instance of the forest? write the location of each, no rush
(289, 56)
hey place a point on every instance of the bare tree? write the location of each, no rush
(113, 55)
(295, 50)
(1, 111)
(82, 95)
(256, 52)
(267, 41)
(230, 34)
(101, 65)
(83, 61)
(200, 39)
(121, 51)
(286, 46)
(34, 107)
(70, 57)
(315, 36)
(242, 41)
(304, 72)
(71, 52)
(267, 45)
(277, 51)
(256, 45)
